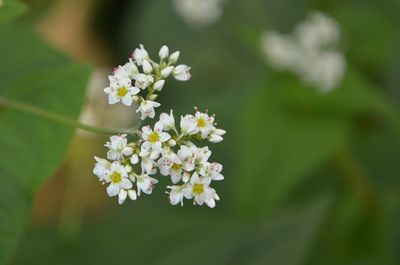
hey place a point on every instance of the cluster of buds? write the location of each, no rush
(310, 52)
(132, 164)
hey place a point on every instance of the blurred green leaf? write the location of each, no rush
(173, 237)
(291, 130)
(31, 148)
(10, 9)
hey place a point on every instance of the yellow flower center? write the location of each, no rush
(176, 167)
(198, 188)
(122, 91)
(116, 177)
(154, 137)
(201, 122)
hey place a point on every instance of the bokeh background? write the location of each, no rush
(310, 178)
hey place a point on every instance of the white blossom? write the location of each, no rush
(140, 54)
(146, 109)
(199, 13)
(188, 124)
(159, 85)
(145, 184)
(204, 123)
(216, 135)
(118, 179)
(142, 81)
(168, 121)
(121, 90)
(182, 72)
(309, 53)
(152, 145)
(199, 189)
(101, 168)
(118, 147)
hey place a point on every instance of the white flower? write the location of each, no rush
(188, 124)
(148, 165)
(118, 147)
(182, 72)
(199, 188)
(159, 85)
(212, 170)
(327, 70)
(310, 53)
(317, 31)
(140, 54)
(168, 121)
(167, 71)
(153, 140)
(134, 159)
(101, 168)
(118, 179)
(216, 135)
(173, 58)
(147, 68)
(121, 90)
(164, 52)
(146, 109)
(199, 13)
(131, 69)
(188, 157)
(204, 123)
(202, 155)
(281, 51)
(145, 184)
(175, 195)
(142, 81)
(123, 194)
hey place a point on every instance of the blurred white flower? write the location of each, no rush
(309, 53)
(280, 50)
(317, 31)
(199, 13)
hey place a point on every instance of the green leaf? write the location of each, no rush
(10, 9)
(31, 148)
(168, 237)
(281, 146)
(290, 130)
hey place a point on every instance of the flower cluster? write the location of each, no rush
(310, 52)
(166, 148)
(199, 13)
(127, 81)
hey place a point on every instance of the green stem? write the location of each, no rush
(17, 105)
(356, 179)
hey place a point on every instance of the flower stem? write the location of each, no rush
(356, 179)
(39, 112)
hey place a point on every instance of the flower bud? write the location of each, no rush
(182, 72)
(132, 195)
(164, 52)
(159, 85)
(172, 142)
(147, 68)
(174, 57)
(153, 97)
(167, 71)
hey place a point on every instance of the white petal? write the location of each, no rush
(113, 189)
